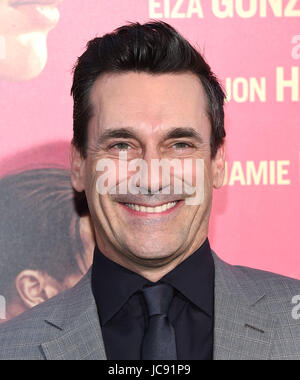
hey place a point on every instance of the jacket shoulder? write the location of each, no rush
(273, 284)
(272, 292)
(278, 295)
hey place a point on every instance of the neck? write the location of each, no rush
(152, 270)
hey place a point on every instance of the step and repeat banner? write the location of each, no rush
(253, 46)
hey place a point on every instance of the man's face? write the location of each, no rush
(149, 117)
(24, 26)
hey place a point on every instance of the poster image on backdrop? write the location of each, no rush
(46, 236)
(24, 28)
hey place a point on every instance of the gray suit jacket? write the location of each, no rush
(253, 321)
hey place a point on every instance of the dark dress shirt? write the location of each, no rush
(123, 313)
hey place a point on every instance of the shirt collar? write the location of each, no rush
(114, 284)
(195, 278)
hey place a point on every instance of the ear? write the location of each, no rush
(77, 168)
(218, 167)
(34, 287)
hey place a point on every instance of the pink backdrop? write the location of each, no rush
(255, 215)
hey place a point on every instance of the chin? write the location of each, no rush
(155, 245)
(153, 253)
(26, 57)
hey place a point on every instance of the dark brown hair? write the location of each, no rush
(154, 47)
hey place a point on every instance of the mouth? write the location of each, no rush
(146, 210)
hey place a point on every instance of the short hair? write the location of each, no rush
(37, 210)
(155, 48)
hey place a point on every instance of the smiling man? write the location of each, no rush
(150, 123)
(156, 290)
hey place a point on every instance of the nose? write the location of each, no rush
(151, 178)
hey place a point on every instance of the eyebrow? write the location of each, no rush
(120, 133)
(129, 133)
(184, 133)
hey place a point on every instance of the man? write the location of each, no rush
(45, 246)
(24, 28)
(156, 290)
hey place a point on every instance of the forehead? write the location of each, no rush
(144, 100)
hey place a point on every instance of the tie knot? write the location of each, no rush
(158, 298)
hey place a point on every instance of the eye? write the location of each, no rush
(120, 146)
(181, 145)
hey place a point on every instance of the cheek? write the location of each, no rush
(199, 174)
(90, 184)
(97, 185)
(112, 176)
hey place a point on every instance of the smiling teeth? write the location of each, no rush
(158, 209)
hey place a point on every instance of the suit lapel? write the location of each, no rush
(244, 329)
(80, 341)
(241, 333)
(78, 333)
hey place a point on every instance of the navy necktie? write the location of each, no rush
(159, 340)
